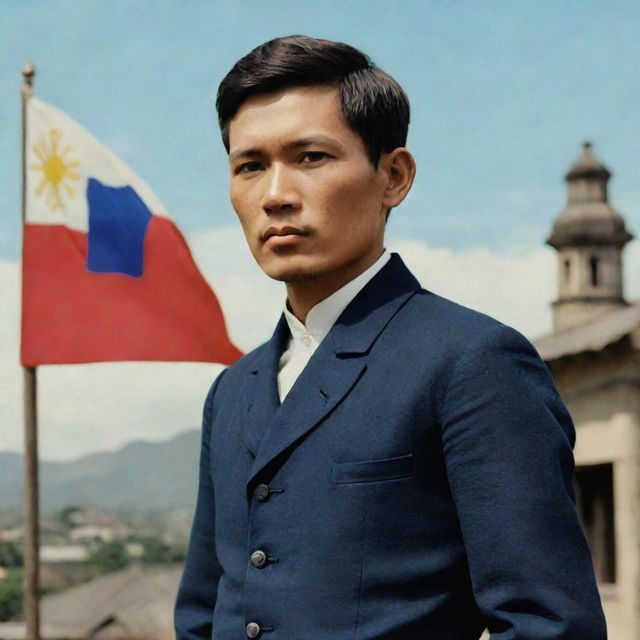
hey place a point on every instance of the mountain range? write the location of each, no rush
(148, 475)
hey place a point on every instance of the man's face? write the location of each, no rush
(309, 200)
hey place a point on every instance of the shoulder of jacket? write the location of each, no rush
(451, 318)
(459, 330)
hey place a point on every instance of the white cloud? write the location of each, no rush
(10, 372)
(85, 408)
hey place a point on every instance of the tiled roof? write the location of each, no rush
(594, 335)
(135, 603)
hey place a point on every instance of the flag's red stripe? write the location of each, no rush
(70, 315)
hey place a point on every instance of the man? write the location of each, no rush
(390, 465)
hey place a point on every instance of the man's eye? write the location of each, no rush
(249, 167)
(313, 156)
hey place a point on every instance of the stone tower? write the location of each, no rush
(589, 236)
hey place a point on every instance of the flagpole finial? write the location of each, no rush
(28, 72)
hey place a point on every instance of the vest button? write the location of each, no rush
(259, 558)
(261, 492)
(252, 630)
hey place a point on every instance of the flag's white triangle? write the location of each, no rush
(61, 156)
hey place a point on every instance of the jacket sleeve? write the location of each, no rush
(507, 440)
(198, 588)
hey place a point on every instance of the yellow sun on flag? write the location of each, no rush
(57, 170)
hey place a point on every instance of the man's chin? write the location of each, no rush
(292, 275)
(290, 272)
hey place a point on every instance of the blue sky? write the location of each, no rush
(502, 94)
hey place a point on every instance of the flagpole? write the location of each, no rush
(31, 498)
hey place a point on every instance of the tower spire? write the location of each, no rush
(589, 236)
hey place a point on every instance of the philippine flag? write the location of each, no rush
(106, 273)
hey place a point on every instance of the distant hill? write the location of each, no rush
(150, 475)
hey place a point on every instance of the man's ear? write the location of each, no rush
(400, 169)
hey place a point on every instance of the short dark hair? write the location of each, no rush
(373, 103)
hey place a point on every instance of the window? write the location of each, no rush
(593, 267)
(567, 270)
(594, 498)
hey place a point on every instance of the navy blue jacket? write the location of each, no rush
(415, 484)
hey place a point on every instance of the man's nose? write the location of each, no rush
(280, 192)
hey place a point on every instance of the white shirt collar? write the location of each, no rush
(322, 317)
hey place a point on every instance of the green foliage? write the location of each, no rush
(10, 555)
(68, 516)
(157, 551)
(110, 556)
(11, 596)
(178, 553)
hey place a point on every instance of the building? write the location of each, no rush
(64, 553)
(135, 603)
(593, 354)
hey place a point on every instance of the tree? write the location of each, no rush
(11, 596)
(68, 516)
(156, 550)
(10, 555)
(110, 556)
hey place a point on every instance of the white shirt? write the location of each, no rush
(304, 340)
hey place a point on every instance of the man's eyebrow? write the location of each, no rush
(311, 140)
(243, 153)
(295, 144)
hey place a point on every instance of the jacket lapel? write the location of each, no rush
(259, 396)
(334, 369)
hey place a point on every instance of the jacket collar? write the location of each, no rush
(368, 314)
(321, 318)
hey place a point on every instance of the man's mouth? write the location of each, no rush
(283, 234)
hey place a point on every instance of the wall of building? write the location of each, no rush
(602, 393)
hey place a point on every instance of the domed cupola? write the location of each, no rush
(589, 236)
